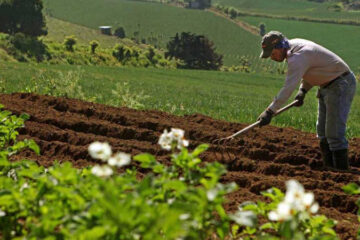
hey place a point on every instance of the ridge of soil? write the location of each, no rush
(260, 159)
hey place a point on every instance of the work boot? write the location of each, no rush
(341, 160)
(326, 154)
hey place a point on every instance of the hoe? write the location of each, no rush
(222, 142)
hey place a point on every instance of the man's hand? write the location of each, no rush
(265, 117)
(300, 97)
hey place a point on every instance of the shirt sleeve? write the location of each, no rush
(305, 85)
(297, 67)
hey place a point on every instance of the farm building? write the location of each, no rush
(105, 30)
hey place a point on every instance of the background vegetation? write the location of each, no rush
(161, 22)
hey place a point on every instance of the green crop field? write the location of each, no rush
(159, 21)
(58, 30)
(302, 8)
(341, 39)
(237, 97)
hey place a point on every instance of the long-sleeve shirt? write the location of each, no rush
(311, 63)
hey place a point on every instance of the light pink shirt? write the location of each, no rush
(312, 63)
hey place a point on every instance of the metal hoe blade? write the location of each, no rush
(222, 143)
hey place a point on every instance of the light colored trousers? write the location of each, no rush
(334, 107)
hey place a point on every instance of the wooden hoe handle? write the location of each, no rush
(258, 122)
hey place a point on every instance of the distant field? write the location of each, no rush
(341, 39)
(58, 29)
(236, 97)
(290, 8)
(159, 21)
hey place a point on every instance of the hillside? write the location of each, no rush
(58, 30)
(303, 8)
(157, 23)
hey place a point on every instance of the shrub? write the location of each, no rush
(232, 12)
(23, 16)
(70, 42)
(58, 84)
(124, 97)
(93, 45)
(120, 32)
(29, 46)
(262, 29)
(196, 51)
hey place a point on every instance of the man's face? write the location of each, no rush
(278, 54)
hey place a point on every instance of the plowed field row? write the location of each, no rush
(258, 160)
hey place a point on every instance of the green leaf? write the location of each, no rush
(268, 225)
(329, 231)
(351, 188)
(94, 233)
(33, 146)
(147, 160)
(200, 149)
(25, 116)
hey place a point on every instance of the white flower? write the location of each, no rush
(211, 194)
(296, 200)
(2, 213)
(299, 199)
(178, 135)
(102, 171)
(120, 159)
(98, 150)
(295, 195)
(171, 201)
(246, 218)
(314, 208)
(24, 186)
(165, 140)
(184, 216)
(282, 213)
(175, 137)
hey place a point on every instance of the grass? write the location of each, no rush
(237, 97)
(341, 39)
(58, 30)
(303, 8)
(154, 20)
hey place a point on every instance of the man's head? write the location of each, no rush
(274, 44)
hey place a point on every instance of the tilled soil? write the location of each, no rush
(258, 160)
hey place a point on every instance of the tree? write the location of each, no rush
(262, 29)
(233, 13)
(196, 51)
(93, 45)
(120, 32)
(23, 16)
(70, 42)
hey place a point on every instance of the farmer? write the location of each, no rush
(314, 65)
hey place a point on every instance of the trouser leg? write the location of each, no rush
(338, 98)
(326, 154)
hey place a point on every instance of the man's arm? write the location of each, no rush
(297, 66)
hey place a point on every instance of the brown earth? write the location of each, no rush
(263, 158)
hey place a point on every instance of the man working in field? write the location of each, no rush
(315, 65)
